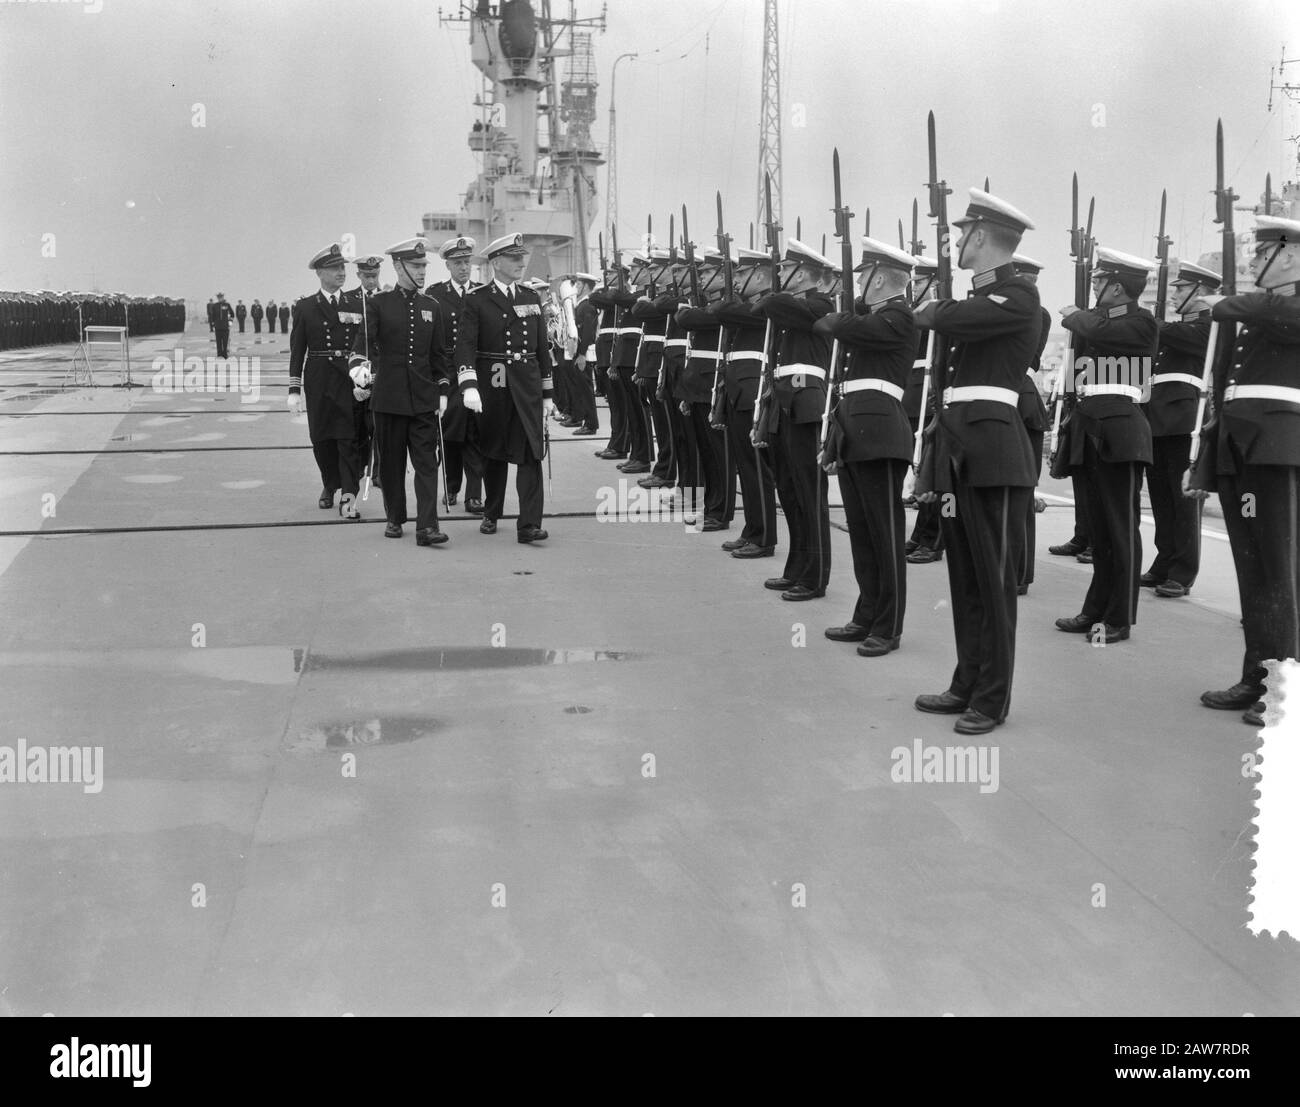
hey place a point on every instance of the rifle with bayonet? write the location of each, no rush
(938, 191)
(766, 409)
(842, 219)
(661, 389)
(1081, 246)
(717, 414)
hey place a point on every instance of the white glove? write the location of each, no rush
(361, 374)
(442, 405)
(909, 483)
(295, 402)
(549, 410)
(360, 394)
(472, 401)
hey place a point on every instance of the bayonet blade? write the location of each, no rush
(902, 242)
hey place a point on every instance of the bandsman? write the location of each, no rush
(586, 319)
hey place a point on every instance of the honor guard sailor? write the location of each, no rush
(1109, 439)
(400, 361)
(1034, 412)
(459, 426)
(504, 371)
(1251, 455)
(926, 542)
(874, 443)
(323, 329)
(979, 455)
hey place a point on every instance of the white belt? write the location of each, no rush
(746, 355)
(652, 338)
(710, 355)
(675, 343)
(920, 363)
(1029, 372)
(872, 384)
(628, 330)
(801, 371)
(1088, 391)
(1181, 378)
(981, 392)
(607, 330)
(1261, 392)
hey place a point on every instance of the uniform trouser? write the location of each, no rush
(560, 387)
(926, 530)
(873, 509)
(223, 342)
(640, 436)
(340, 464)
(663, 433)
(241, 326)
(754, 470)
(364, 423)
(257, 326)
(731, 471)
(1082, 535)
(1264, 531)
(1113, 491)
(685, 452)
(711, 455)
(464, 460)
(583, 396)
(619, 437)
(395, 437)
(1026, 574)
(984, 536)
(528, 486)
(1178, 518)
(802, 486)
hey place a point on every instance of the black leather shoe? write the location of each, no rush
(474, 507)
(431, 536)
(1110, 634)
(778, 584)
(635, 467)
(1076, 624)
(1084, 558)
(909, 546)
(450, 499)
(570, 421)
(583, 431)
(393, 530)
(735, 544)
(974, 722)
(1172, 590)
(749, 550)
(849, 632)
(532, 534)
(876, 646)
(610, 455)
(326, 500)
(1255, 716)
(1149, 580)
(714, 524)
(945, 703)
(802, 592)
(923, 555)
(1066, 549)
(1237, 698)
(488, 526)
(1022, 590)
(654, 482)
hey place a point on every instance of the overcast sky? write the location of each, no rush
(329, 117)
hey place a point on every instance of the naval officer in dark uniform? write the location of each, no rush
(871, 447)
(1252, 455)
(979, 460)
(1109, 439)
(399, 362)
(503, 364)
(324, 326)
(367, 284)
(459, 426)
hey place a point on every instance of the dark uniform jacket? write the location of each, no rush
(222, 313)
(880, 346)
(627, 334)
(241, 312)
(606, 327)
(503, 351)
(1032, 409)
(458, 419)
(991, 339)
(408, 352)
(746, 331)
(695, 382)
(1115, 424)
(658, 316)
(802, 397)
(256, 310)
(586, 318)
(1172, 408)
(318, 356)
(1266, 352)
(284, 316)
(653, 324)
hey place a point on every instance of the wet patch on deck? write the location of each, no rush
(351, 733)
(459, 658)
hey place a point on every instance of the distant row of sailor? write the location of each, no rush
(730, 390)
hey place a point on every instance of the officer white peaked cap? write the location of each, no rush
(923, 264)
(462, 246)
(330, 256)
(410, 249)
(746, 256)
(1273, 228)
(798, 251)
(1116, 261)
(1196, 274)
(1023, 261)
(585, 277)
(513, 243)
(987, 207)
(875, 252)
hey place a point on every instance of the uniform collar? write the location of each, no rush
(994, 276)
(504, 289)
(1118, 311)
(896, 298)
